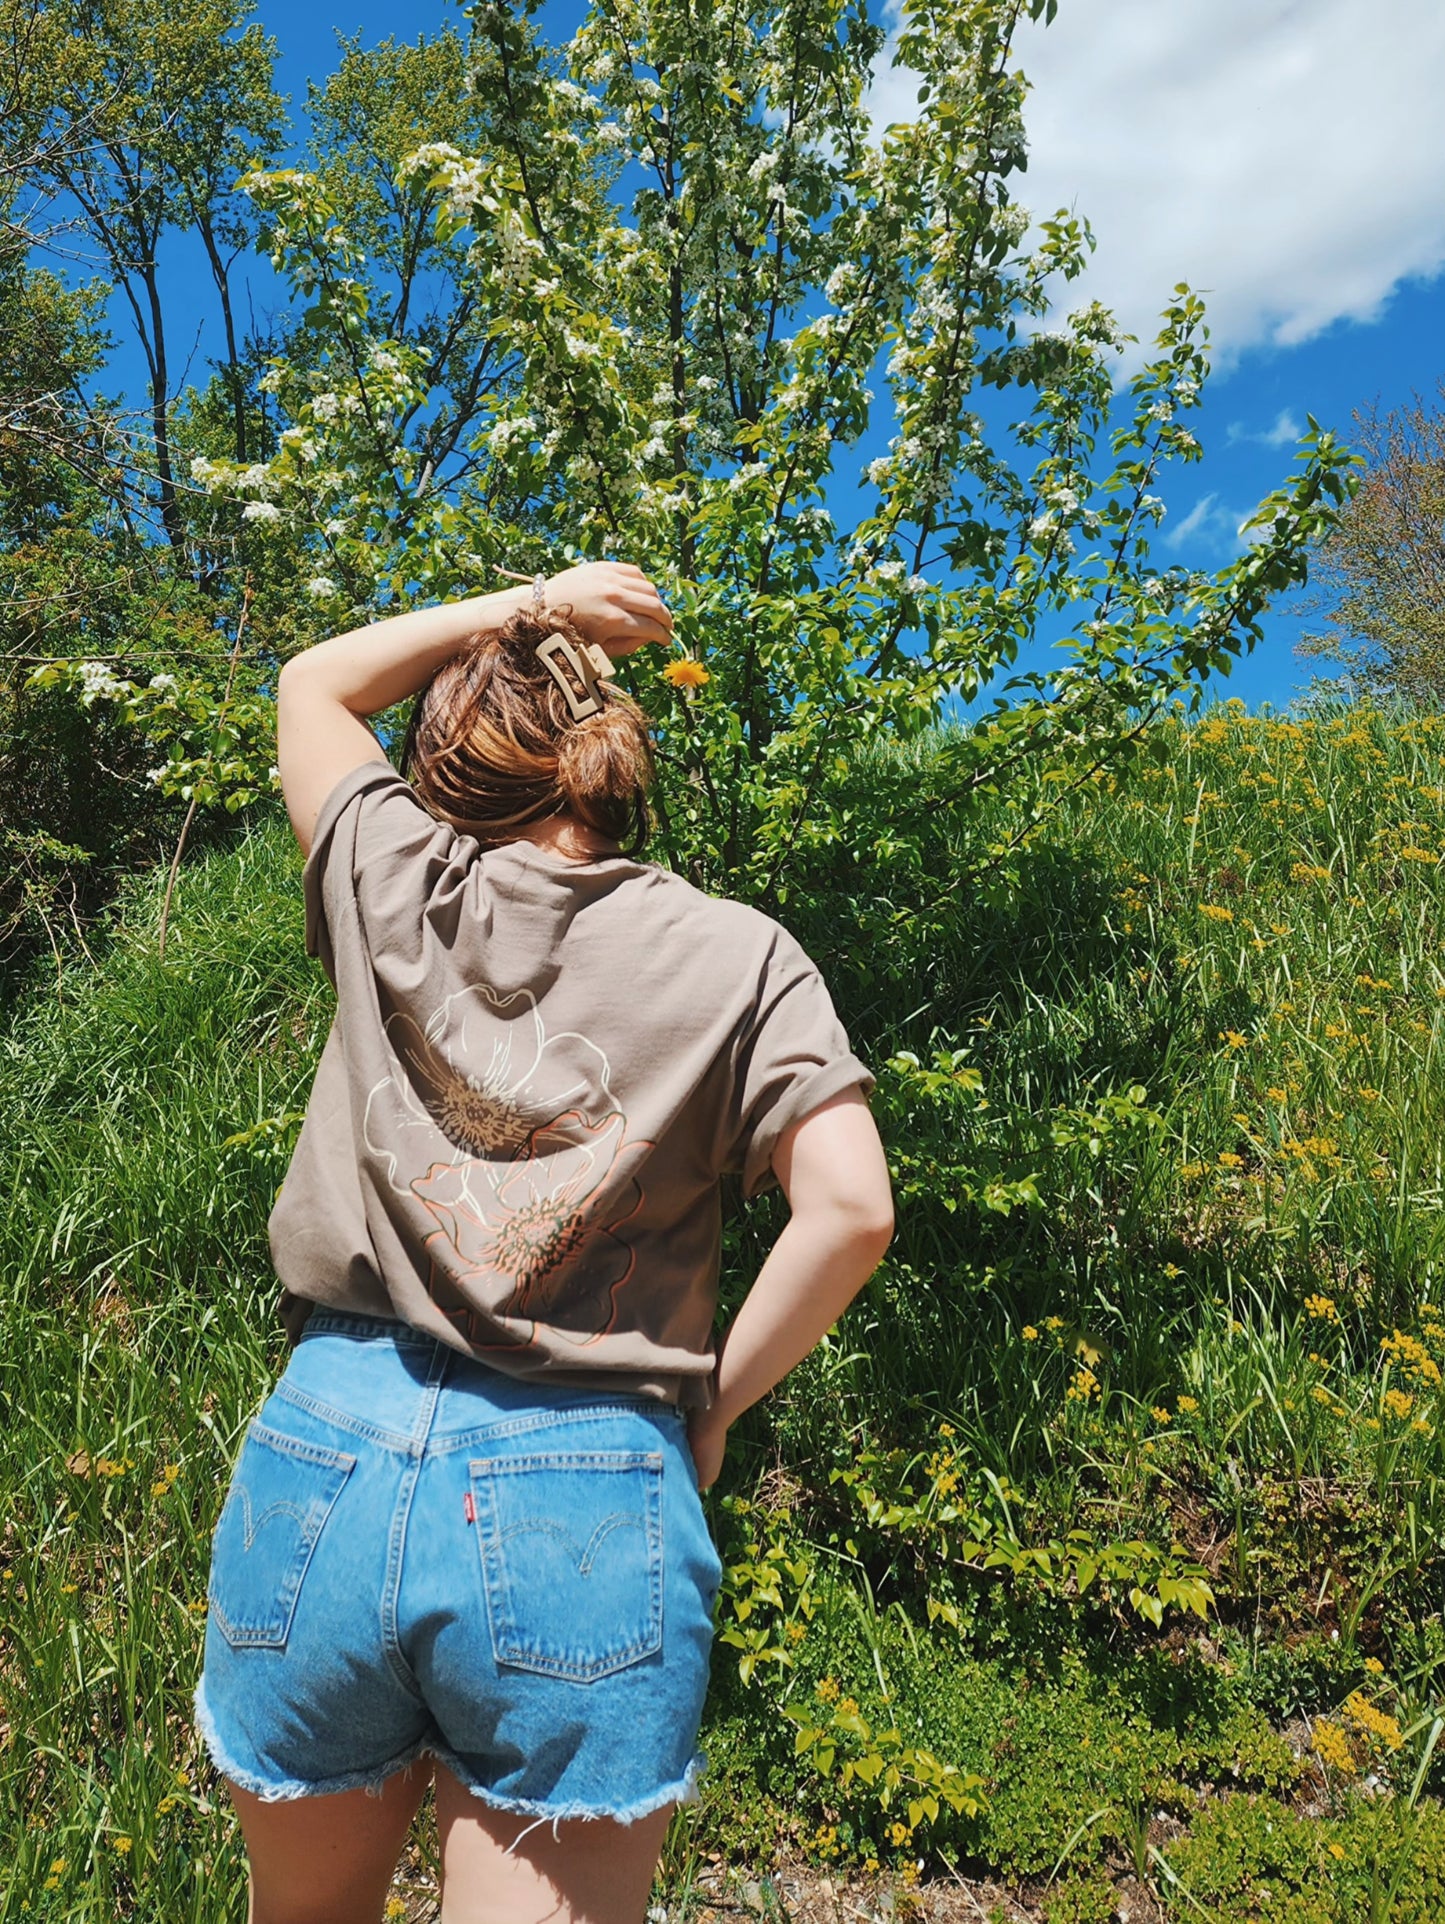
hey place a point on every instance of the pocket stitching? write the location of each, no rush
(507, 1647)
(288, 1588)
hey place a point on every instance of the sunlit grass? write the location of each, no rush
(1245, 1264)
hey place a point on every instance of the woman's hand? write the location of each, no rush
(707, 1438)
(612, 603)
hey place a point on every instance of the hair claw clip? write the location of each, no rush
(589, 664)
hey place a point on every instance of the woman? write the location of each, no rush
(463, 1543)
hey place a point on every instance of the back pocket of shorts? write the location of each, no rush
(571, 1546)
(281, 1494)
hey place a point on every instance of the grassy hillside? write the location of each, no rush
(1099, 1550)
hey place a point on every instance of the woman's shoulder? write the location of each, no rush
(721, 918)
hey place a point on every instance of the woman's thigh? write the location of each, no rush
(330, 1859)
(498, 1868)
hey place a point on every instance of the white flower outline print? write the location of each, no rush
(539, 1179)
(485, 1075)
(536, 1239)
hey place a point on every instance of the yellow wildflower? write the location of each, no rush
(1215, 913)
(1084, 1385)
(686, 673)
(1229, 1160)
(1161, 1415)
(1378, 1723)
(1322, 1309)
(1187, 1404)
(1233, 1039)
(1398, 1404)
(1333, 1748)
(122, 1845)
(1374, 1666)
(1030, 1334)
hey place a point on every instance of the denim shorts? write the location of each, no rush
(421, 1555)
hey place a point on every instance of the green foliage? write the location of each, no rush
(679, 379)
(1055, 1727)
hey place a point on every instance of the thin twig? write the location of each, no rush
(191, 811)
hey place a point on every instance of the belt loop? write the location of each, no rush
(430, 1396)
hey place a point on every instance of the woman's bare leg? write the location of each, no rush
(328, 1860)
(591, 1871)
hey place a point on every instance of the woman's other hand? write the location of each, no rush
(611, 603)
(707, 1438)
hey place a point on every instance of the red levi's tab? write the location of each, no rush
(469, 1505)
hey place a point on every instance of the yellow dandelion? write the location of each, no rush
(1030, 1334)
(686, 673)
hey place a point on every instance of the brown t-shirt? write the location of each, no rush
(537, 1074)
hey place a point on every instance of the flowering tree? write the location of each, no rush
(687, 258)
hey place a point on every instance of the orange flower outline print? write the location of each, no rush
(512, 1144)
(541, 1231)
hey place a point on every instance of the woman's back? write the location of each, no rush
(538, 1073)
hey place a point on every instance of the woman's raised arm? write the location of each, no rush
(323, 694)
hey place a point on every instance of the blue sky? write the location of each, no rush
(1281, 156)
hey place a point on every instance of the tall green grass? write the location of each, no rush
(1247, 928)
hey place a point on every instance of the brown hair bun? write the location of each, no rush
(492, 748)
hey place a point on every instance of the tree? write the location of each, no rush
(1382, 568)
(154, 110)
(691, 256)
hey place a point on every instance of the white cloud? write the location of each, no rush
(1285, 431)
(1209, 526)
(1284, 157)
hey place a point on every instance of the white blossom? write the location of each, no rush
(260, 511)
(322, 587)
(162, 681)
(521, 428)
(97, 680)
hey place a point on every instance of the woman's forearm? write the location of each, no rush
(813, 1271)
(370, 668)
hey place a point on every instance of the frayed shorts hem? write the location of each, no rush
(289, 1789)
